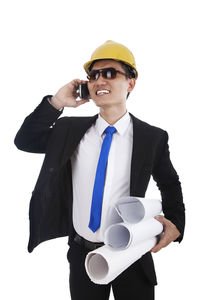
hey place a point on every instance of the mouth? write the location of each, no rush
(102, 92)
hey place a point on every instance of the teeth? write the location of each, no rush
(102, 92)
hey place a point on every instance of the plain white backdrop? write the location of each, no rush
(44, 44)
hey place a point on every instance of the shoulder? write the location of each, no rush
(76, 120)
(146, 127)
(149, 133)
(70, 123)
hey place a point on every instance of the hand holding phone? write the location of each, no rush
(68, 94)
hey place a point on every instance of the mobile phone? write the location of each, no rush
(83, 91)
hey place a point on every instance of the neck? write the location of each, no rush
(112, 114)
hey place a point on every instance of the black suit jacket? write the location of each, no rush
(51, 203)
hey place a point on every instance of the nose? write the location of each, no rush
(100, 80)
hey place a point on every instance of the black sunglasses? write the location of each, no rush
(107, 73)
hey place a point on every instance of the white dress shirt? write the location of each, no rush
(117, 182)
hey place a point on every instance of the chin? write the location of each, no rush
(100, 102)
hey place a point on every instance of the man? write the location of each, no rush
(68, 198)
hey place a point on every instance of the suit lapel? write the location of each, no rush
(76, 131)
(138, 155)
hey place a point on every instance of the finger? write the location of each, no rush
(84, 81)
(169, 228)
(164, 242)
(160, 219)
(157, 248)
(163, 221)
(77, 81)
(75, 93)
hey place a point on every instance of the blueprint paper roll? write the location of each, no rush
(113, 217)
(122, 235)
(135, 209)
(103, 264)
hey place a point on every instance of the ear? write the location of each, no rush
(132, 83)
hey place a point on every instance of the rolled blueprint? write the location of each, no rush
(131, 232)
(122, 235)
(135, 209)
(103, 264)
(113, 217)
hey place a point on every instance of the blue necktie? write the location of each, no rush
(97, 197)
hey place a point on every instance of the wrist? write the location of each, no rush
(56, 103)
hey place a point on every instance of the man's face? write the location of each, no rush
(117, 87)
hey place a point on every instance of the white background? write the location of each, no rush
(44, 44)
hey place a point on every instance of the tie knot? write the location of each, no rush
(110, 129)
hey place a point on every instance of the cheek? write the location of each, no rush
(121, 89)
(90, 88)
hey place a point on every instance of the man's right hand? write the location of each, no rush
(67, 95)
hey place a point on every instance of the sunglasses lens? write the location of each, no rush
(93, 75)
(109, 73)
(96, 75)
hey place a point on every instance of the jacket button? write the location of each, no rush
(51, 170)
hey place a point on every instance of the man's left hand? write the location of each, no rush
(170, 234)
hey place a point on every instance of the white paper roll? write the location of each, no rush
(135, 209)
(103, 264)
(122, 235)
(113, 217)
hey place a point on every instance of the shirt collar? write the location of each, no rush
(121, 125)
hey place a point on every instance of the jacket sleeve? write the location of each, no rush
(170, 187)
(36, 129)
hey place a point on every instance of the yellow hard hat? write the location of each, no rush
(112, 50)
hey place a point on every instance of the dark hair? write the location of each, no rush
(129, 71)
